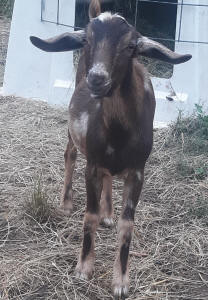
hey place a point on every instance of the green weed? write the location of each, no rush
(37, 206)
(192, 131)
(199, 209)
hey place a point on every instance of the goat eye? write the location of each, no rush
(84, 40)
(131, 46)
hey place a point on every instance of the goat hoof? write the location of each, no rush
(66, 209)
(120, 292)
(82, 276)
(65, 212)
(107, 222)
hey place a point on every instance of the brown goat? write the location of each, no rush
(111, 122)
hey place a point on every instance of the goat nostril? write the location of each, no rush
(97, 79)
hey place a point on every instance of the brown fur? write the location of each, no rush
(123, 123)
(85, 263)
(111, 122)
(106, 207)
(70, 158)
(94, 9)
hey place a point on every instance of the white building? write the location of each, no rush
(31, 73)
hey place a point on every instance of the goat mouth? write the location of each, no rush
(101, 91)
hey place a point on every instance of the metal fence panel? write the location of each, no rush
(182, 5)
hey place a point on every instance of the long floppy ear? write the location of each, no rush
(149, 48)
(64, 42)
(94, 9)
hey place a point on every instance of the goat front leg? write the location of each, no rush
(106, 206)
(70, 156)
(85, 263)
(132, 189)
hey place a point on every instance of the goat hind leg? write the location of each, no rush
(70, 156)
(132, 189)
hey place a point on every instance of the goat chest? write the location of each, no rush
(112, 145)
(116, 148)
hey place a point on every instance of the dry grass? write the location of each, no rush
(169, 252)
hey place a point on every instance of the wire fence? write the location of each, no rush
(137, 7)
(182, 5)
(133, 10)
(160, 20)
(6, 8)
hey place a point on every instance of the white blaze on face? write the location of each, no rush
(106, 16)
(80, 126)
(99, 69)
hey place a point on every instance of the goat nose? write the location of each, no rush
(98, 76)
(97, 79)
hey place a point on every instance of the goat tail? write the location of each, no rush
(94, 9)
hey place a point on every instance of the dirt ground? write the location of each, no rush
(169, 252)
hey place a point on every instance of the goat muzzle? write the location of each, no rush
(98, 83)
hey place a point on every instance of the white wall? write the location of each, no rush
(189, 80)
(30, 72)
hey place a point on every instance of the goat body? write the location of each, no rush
(111, 122)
